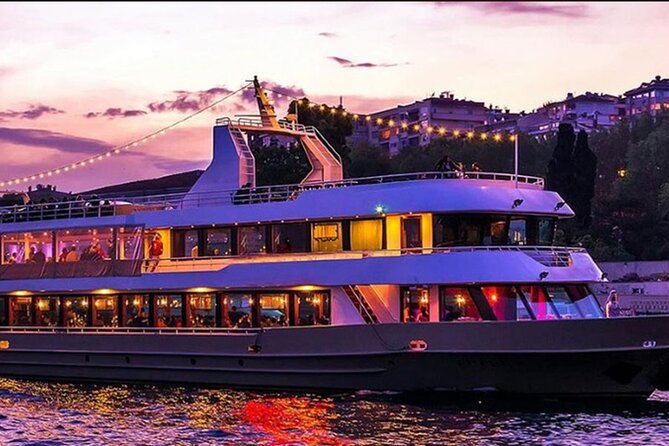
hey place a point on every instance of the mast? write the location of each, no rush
(267, 114)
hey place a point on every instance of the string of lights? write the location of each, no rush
(405, 126)
(115, 150)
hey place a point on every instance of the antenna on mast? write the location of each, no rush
(267, 114)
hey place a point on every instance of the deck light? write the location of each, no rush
(517, 202)
(379, 209)
(559, 205)
(543, 275)
(604, 276)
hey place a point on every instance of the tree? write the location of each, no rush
(585, 172)
(277, 164)
(560, 173)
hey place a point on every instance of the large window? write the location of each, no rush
(327, 237)
(290, 237)
(237, 310)
(47, 311)
(76, 311)
(273, 310)
(477, 230)
(415, 304)
(456, 304)
(105, 312)
(539, 302)
(584, 301)
(135, 310)
(312, 308)
(84, 245)
(504, 303)
(366, 235)
(251, 240)
(169, 310)
(20, 311)
(201, 310)
(185, 243)
(27, 247)
(218, 242)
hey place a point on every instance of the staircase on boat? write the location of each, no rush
(360, 303)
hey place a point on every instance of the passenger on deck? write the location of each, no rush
(31, 256)
(63, 255)
(13, 258)
(612, 307)
(423, 315)
(72, 256)
(39, 257)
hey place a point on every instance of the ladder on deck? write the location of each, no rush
(361, 304)
(325, 166)
(247, 162)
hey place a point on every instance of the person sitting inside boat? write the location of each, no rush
(423, 315)
(140, 319)
(446, 164)
(612, 307)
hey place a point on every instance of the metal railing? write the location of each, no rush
(101, 207)
(133, 330)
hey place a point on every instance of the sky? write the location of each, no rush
(79, 79)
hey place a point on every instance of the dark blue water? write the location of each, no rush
(37, 413)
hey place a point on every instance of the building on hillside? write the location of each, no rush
(415, 125)
(650, 97)
(588, 111)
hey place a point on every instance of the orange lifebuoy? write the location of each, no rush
(417, 345)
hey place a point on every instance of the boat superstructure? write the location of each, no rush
(422, 281)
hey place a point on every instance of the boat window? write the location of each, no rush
(366, 235)
(290, 237)
(3, 311)
(415, 304)
(237, 310)
(539, 302)
(273, 310)
(312, 308)
(135, 310)
(218, 242)
(251, 240)
(105, 311)
(47, 311)
(411, 233)
(27, 247)
(327, 237)
(563, 303)
(504, 303)
(185, 243)
(20, 311)
(456, 304)
(585, 301)
(201, 310)
(169, 310)
(84, 245)
(518, 231)
(545, 231)
(476, 230)
(76, 311)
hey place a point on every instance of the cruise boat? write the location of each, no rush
(411, 282)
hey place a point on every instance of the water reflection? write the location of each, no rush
(66, 414)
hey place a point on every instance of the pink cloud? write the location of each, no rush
(189, 101)
(346, 63)
(112, 113)
(574, 11)
(33, 112)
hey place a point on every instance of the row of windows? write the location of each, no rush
(475, 230)
(501, 303)
(229, 310)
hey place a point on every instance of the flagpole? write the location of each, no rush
(515, 159)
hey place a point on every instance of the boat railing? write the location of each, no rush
(251, 122)
(96, 206)
(133, 330)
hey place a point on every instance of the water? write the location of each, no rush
(49, 414)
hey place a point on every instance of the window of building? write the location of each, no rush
(290, 237)
(456, 304)
(218, 242)
(20, 311)
(135, 310)
(105, 312)
(539, 302)
(76, 311)
(415, 304)
(47, 311)
(273, 309)
(168, 310)
(201, 310)
(237, 310)
(27, 247)
(251, 240)
(312, 308)
(327, 237)
(366, 235)
(185, 243)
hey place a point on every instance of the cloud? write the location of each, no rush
(33, 112)
(329, 35)
(112, 113)
(573, 11)
(346, 63)
(52, 140)
(189, 101)
(287, 92)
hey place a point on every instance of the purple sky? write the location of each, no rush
(76, 79)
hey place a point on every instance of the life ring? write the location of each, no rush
(417, 345)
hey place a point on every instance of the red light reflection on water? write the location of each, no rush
(292, 420)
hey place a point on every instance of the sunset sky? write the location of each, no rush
(77, 79)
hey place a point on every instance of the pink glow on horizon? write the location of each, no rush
(61, 62)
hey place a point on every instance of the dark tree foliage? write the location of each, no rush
(585, 172)
(560, 172)
(276, 164)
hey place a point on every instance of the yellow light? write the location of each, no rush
(484, 136)
(251, 301)
(68, 303)
(460, 300)
(104, 291)
(200, 289)
(333, 111)
(41, 175)
(344, 113)
(429, 130)
(493, 297)
(355, 116)
(404, 125)
(379, 121)
(442, 131)
(322, 108)
(512, 138)
(391, 123)
(470, 135)
(20, 293)
(299, 101)
(33, 177)
(84, 303)
(311, 105)
(497, 137)
(416, 127)
(622, 173)
(306, 288)
(368, 118)
(456, 133)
